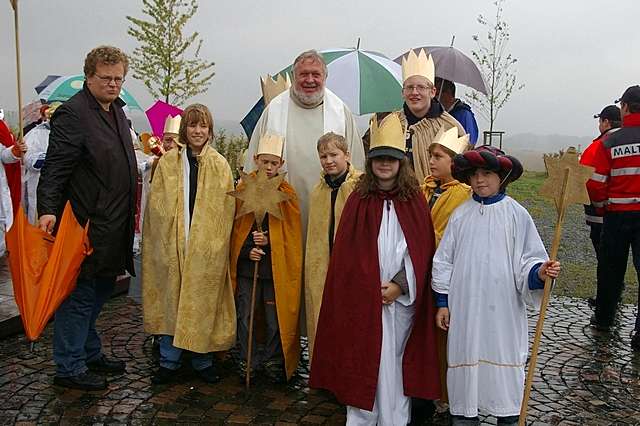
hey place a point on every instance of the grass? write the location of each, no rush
(578, 278)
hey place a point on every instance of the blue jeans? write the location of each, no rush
(170, 356)
(75, 339)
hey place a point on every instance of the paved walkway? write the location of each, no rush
(585, 378)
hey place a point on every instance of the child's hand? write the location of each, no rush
(390, 292)
(442, 318)
(549, 269)
(260, 238)
(256, 254)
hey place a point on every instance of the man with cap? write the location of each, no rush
(446, 93)
(422, 115)
(608, 122)
(617, 184)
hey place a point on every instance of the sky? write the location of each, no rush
(574, 57)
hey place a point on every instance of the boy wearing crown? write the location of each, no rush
(489, 266)
(422, 115)
(375, 343)
(277, 247)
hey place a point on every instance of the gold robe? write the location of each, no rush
(186, 286)
(285, 241)
(455, 193)
(423, 133)
(317, 251)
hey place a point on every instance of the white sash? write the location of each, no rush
(333, 114)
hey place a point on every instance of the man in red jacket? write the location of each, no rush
(617, 166)
(609, 121)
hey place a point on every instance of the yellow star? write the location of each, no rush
(577, 176)
(260, 195)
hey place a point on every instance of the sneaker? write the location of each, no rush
(599, 326)
(209, 375)
(635, 341)
(85, 381)
(163, 376)
(106, 365)
(242, 371)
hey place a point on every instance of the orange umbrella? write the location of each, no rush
(44, 269)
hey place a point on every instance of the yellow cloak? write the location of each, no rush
(317, 251)
(455, 193)
(186, 287)
(285, 240)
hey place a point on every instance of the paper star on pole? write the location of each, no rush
(566, 167)
(260, 195)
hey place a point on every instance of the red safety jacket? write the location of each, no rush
(615, 183)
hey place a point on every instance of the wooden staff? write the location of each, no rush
(572, 190)
(247, 379)
(14, 4)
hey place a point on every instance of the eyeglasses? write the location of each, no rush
(105, 79)
(419, 87)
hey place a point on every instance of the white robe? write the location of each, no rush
(391, 406)
(483, 263)
(37, 141)
(304, 126)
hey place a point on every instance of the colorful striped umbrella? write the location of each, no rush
(366, 81)
(63, 88)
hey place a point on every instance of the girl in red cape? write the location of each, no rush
(375, 343)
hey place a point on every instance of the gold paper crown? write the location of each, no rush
(272, 88)
(449, 139)
(271, 144)
(389, 134)
(172, 124)
(420, 64)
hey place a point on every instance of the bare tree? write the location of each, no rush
(496, 66)
(161, 61)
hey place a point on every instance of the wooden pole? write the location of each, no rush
(14, 4)
(247, 378)
(545, 301)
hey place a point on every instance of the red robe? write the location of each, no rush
(346, 356)
(13, 170)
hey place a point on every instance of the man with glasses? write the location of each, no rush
(617, 168)
(422, 115)
(90, 162)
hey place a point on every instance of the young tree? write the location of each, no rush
(161, 61)
(496, 66)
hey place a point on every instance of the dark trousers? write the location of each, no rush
(75, 339)
(620, 231)
(596, 232)
(265, 296)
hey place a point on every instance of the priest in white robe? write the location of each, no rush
(302, 114)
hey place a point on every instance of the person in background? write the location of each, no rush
(446, 93)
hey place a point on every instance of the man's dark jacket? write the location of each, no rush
(91, 162)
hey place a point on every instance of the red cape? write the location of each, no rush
(13, 170)
(346, 356)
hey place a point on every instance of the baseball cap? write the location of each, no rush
(610, 112)
(631, 95)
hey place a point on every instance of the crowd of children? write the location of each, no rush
(412, 289)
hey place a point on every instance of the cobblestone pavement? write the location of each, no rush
(585, 377)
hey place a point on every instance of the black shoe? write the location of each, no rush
(209, 375)
(598, 325)
(105, 365)
(85, 381)
(509, 421)
(275, 372)
(242, 371)
(163, 376)
(591, 301)
(635, 341)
